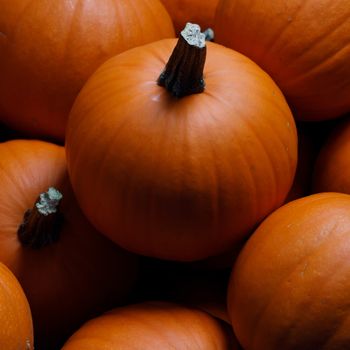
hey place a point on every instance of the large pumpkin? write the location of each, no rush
(303, 45)
(16, 331)
(48, 49)
(195, 11)
(68, 271)
(174, 176)
(290, 287)
(332, 170)
(153, 325)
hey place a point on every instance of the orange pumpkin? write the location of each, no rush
(16, 331)
(332, 170)
(181, 174)
(153, 325)
(303, 45)
(195, 11)
(68, 271)
(48, 49)
(290, 286)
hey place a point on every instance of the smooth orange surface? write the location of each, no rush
(70, 280)
(303, 45)
(290, 287)
(153, 325)
(181, 178)
(332, 170)
(16, 330)
(48, 49)
(194, 11)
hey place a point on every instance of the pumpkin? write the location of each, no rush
(195, 11)
(173, 171)
(290, 286)
(332, 169)
(68, 271)
(16, 331)
(48, 49)
(153, 325)
(304, 46)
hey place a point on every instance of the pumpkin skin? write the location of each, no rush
(179, 178)
(72, 279)
(48, 49)
(16, 331)
(195, 11)
(332, 169)
(153, 325)
(303, 46)
(290, 286)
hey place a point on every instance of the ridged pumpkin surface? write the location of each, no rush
(195, 11)
(48, 49)
(180, 178)
(153, 325)
(303, 45)
(290, 287)
(69, 280)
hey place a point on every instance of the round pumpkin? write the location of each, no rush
(68, 270)
(332, 169)
(48, 49)
(153, 325)
(290, 286)
(195, 11)
(16, 331)
(173, 171)
(304, 46)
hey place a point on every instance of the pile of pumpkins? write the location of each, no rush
(163, 191)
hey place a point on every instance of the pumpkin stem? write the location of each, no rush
(209, 34)
(42, 224)
(183, 74)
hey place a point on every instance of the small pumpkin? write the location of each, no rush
(48, 49)
(153, 325)
(184, 168)
(68, 270)
(303, 45)
(16, 331)
(194, 11)
(332, 169)
(290, 286)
